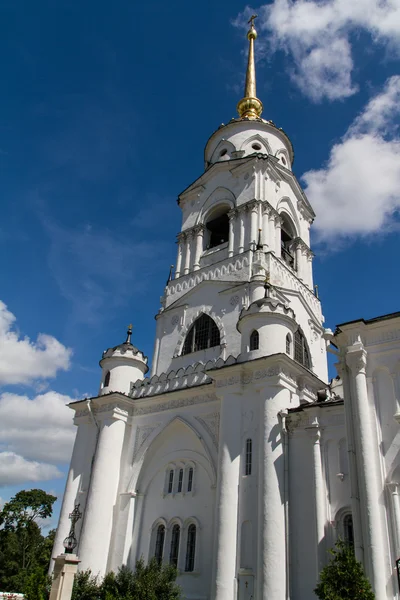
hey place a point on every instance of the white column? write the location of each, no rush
(278, 224)
(199, 233)
(309, 257)
(97, 524)
(188, 240)
(80, 459)
(179, 257)
(253, 225)
(395, 509)
(299, 264)
(396, 384)
(242, 217)
(231, 243)
(368, 472)
(272, 232)
(227, 497)
(272, 535)
(314, 432)
(266, 240)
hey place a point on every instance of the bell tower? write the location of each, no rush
(245, 221)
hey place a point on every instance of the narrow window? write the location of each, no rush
(218, 230)
(158, 554)
(203, 334)
(301, 353)
(190, 548)
(348, 532)
(107, 379)
(254, 340)
(170, 481)
(190, 480)
(174, 551)
(288, 344)
(249, 457)
(180, 480)
(287, 238)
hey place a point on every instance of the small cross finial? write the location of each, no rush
(251, 20)
(129, 333)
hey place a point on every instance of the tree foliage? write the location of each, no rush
(343, 578)
(147, 582)
(24, 552)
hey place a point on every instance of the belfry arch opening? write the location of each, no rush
(217, 227)
(203, 334)
(288, 235)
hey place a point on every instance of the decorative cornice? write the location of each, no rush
(171, 404)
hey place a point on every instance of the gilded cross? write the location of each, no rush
(251, 20)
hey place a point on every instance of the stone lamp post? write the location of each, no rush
(66, 565)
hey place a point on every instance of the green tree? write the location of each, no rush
(24, 552)
(343, 578)
(86, 586)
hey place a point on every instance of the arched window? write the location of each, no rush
(217, 227)
(190, 480)
(174, 550)
(203, 334)
(348, 533)
(254, 340)
(190, 548)
(288, 233)
(170, 481)
(301, 353)
(180, 480)
(249, 457)
(288, 344)
(107, 379)
(158, 553)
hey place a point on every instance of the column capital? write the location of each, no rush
(356, 357)
(199, 229)
(232, 214)
(393, 487)
(181, 237)
(278, 220)
(267, 208)
(111, 412)
(314, 431)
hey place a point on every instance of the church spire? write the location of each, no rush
(250, 107)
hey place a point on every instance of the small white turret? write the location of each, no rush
(121, 365)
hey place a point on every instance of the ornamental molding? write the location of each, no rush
(306, 422)
(110, 407)
(248, 377)
(210, 423)
(173, 404)
(142, 433)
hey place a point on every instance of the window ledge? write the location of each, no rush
(215, 249)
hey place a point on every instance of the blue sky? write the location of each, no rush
(105, 112)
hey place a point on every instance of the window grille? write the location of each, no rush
(254, 340)
(107, 379)
(249, 456)
(190, 548)
(190, 480)
(348, 532)
(170, 481)
(158, 554)
(301, 353)
(180, 480)
(174, 550)
(203, 334)
(288, 344)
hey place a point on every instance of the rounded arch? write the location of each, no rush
(286, 206)
(159, 521)
(141, 478)
(220, 196)
(175, 521)
(256, 139)
(282, 153)
(195, 316)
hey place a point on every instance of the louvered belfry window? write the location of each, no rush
(203, 334)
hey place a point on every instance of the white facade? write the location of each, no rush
(232, 459)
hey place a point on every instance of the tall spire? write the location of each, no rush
(250, 107)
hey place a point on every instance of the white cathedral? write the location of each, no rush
(234, 459)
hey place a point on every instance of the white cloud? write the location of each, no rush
(37, 429)
(15, 469)
(358, 191)
(316, 35)
(23, 361)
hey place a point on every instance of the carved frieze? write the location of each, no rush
(172, 404)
